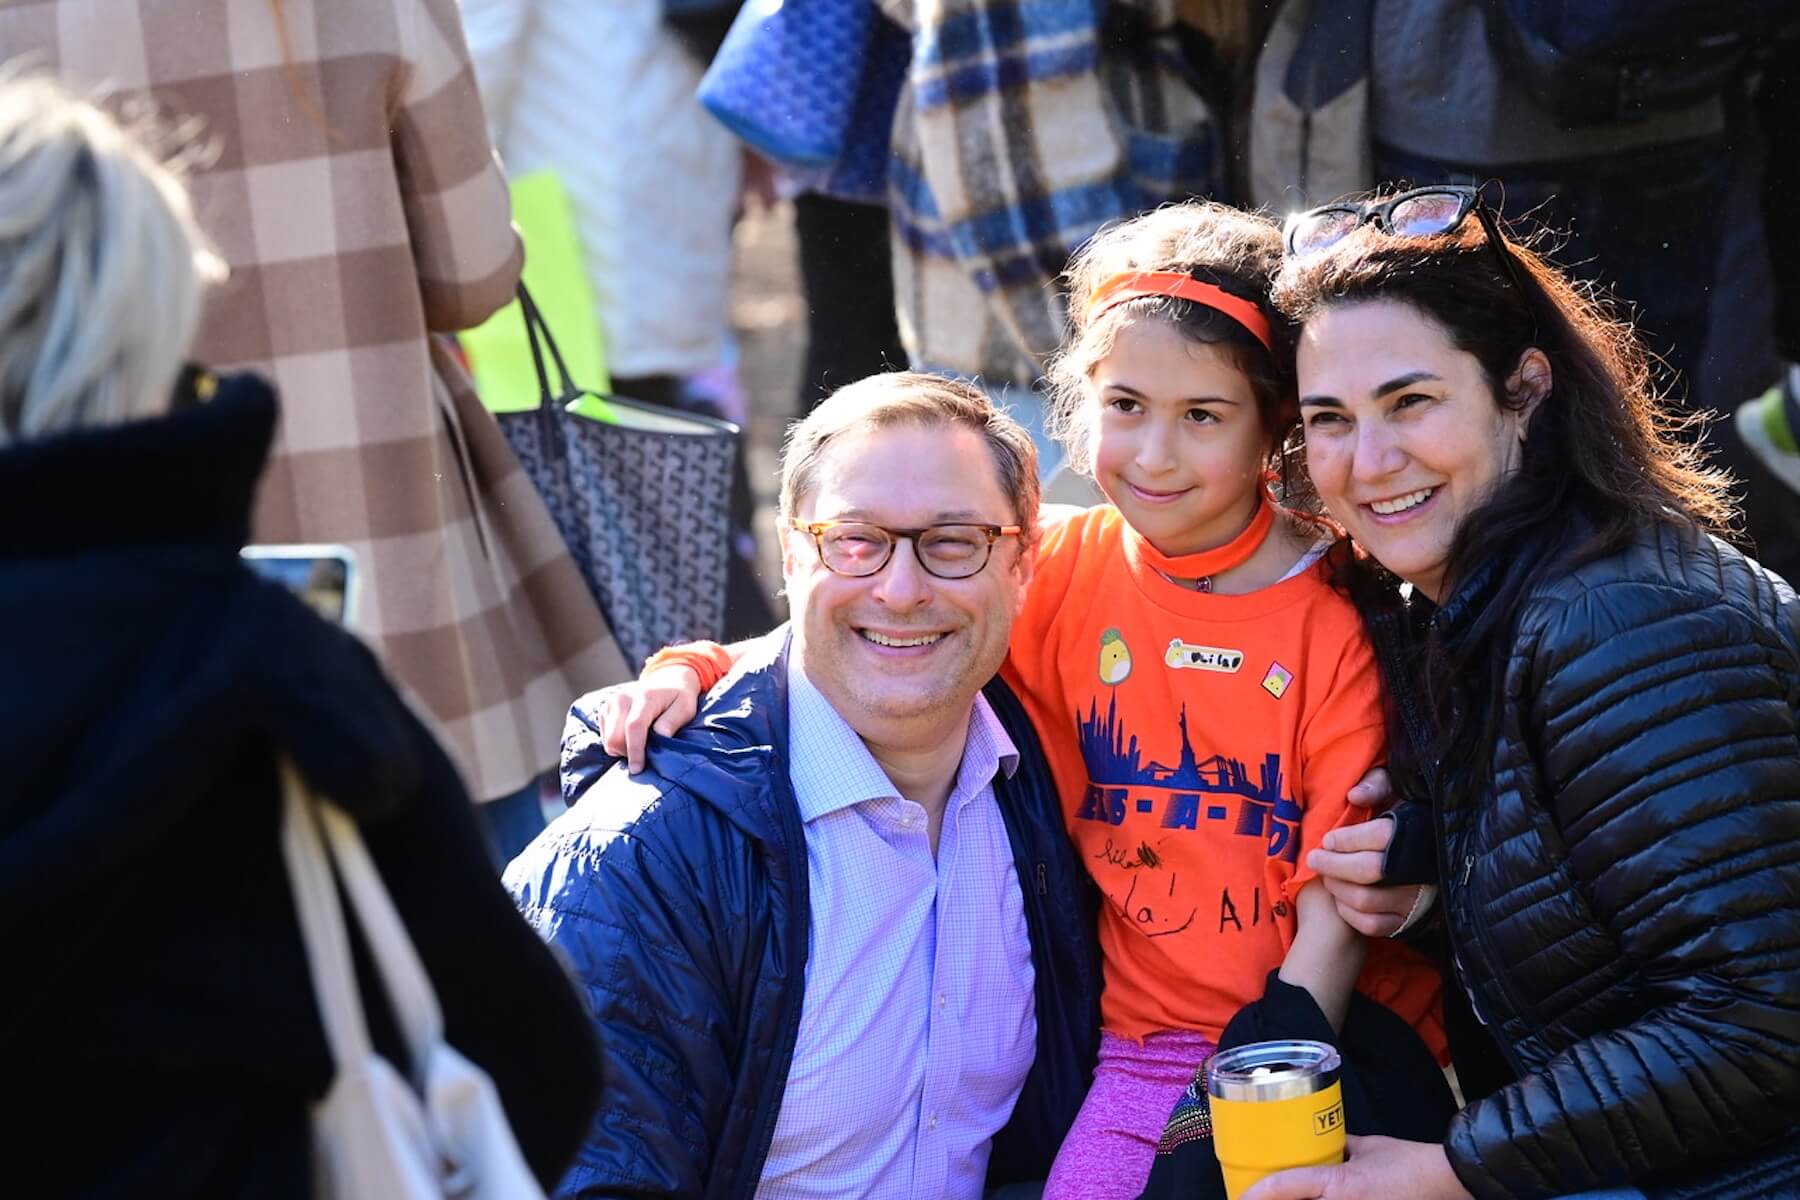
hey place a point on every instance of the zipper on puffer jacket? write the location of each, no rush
(1453, 887)
(1462, 900)
(1456, 889)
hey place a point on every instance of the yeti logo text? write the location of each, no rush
(1184, 656)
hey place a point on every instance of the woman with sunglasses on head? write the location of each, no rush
(1598, 702)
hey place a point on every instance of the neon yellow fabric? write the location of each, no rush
(1774, 421)
(499, 353)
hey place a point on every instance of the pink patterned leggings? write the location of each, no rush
(1112, 1144)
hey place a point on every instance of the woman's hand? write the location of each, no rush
(1376, 1168)
(664, 700)
(1349, 862)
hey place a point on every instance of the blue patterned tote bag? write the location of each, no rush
(641, 494)
(786, 78)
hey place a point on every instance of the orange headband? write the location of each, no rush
(1134, 284)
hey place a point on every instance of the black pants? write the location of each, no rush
(848, 277)
(1756, 310)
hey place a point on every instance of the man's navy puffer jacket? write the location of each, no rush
(679, 896)
(1624, 896)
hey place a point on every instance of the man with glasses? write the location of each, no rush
(834, 937)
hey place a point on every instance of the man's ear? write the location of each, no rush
(1529, 384)
(1026, 564)
(792, 544)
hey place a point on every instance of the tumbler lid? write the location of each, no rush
(1273, 1070)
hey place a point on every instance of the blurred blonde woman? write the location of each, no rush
(79, 346)
(357, 202)
(157, 1027)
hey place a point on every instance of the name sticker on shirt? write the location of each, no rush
(1185, 656)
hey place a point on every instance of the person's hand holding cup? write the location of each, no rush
(1275, 1106)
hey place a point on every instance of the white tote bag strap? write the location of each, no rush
(408, 987)
(310, 862)
(322, 924)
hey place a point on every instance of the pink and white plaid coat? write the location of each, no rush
(357, 200)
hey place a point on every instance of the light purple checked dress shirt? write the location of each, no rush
(918, 1025)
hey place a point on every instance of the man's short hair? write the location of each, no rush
(911, 398)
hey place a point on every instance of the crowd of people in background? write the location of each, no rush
(1334, 465)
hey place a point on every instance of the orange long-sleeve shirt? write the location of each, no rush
(1202, 744)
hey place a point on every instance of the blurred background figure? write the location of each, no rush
(1024, 126)
(999, 135)
(1639, 195)
(603, 96)
(158, 1009)
(1758, 294)
(355, 197)
(847, 278)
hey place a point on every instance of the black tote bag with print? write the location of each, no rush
(642, 499)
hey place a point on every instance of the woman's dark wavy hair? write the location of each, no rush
(1604, 452)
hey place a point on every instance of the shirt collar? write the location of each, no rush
(831, 768)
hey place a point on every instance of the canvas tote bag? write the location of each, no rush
(379, 1135)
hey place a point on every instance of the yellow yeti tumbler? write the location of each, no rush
(1275, 1105)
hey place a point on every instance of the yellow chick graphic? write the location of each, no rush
(1115, 658)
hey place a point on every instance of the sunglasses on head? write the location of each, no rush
(1421, 212)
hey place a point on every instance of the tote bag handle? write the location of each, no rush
(537, 335)
(565, 395)
(316, 833)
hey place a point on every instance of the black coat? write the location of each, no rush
(680, 895)
(1623, 891)
(158, 1035)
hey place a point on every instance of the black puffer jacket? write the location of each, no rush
(1624, 895)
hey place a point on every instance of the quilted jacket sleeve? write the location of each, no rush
(1663, 720)
(630, 898)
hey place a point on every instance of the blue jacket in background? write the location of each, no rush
(679, 897)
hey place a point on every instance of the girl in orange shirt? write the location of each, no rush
(1204, 692)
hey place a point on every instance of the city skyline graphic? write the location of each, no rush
(1121, 782)
(1114, 757)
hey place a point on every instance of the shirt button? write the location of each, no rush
(932, 1124)
(942, 1000)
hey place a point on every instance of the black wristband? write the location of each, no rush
(1411, 857)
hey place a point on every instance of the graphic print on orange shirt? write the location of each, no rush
(1180, 797)
(1158, 801)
